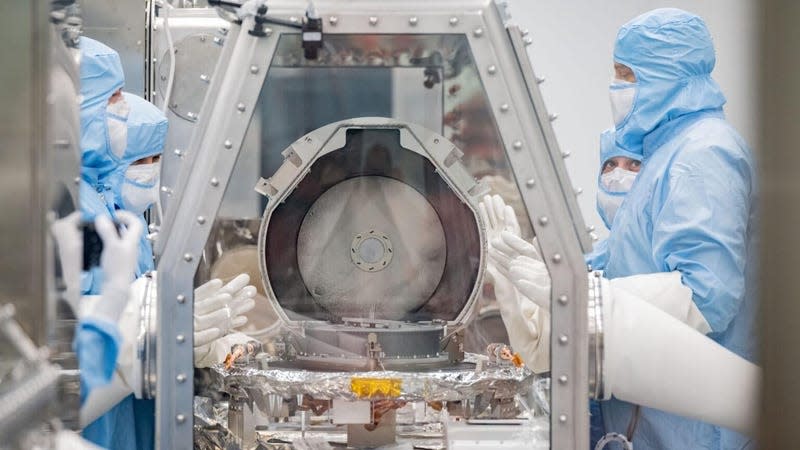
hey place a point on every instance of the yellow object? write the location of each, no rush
(368, 388)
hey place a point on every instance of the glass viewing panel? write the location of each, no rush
(429, 80)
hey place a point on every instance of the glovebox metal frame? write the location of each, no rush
(528, 138)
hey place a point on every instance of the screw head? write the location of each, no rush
(504, 107)
(517, 145)
(557, 258)
(478, 32)
(563, 299)
(178, 152)
(492, 69)
(182, 298)
(373, 20)
(214, 182)
(188, 257)
(527, 40)
(254, 69)
(333, 20)
(228, 144)
(544, 220)
(530, 183)
(563, 339)
(553, 117)
(562, 418)
(240, 106)
(540, 80)
(453, 21)
(201, 220)
(180, 338)
(562, 379)
(180, 378)
(413, 21)
(180, 418)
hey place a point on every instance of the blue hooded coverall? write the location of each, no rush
(691, 208)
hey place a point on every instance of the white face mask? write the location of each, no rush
(618, 180)
(615, 185)
(117, 123)
(140, 188)
(622, 95)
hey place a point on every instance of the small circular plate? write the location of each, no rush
(371, 251)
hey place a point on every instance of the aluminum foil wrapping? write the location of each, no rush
(502, 381)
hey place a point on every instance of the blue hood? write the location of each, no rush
(101, 75)
(147, 131)
(672, 55)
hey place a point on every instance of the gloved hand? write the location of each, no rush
(509, 246)
(118, 261)
(531, 278)
(219, 309)
(498, 217)
(70, 253)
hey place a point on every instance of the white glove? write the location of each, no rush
(70, 252)
(118, 261)
(219, 309)
(215, 352)
(527, 325)
(531, 278)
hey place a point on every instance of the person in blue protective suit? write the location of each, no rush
(690, 210)
(103, 114)
(132, 186)
(618, 170)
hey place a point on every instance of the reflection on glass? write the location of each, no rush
(429, 80)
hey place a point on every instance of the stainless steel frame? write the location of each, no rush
(524, 125)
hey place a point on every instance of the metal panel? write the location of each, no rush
(120, 24)
(205, 185)
(23, 132)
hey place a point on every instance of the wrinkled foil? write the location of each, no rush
(502, 381)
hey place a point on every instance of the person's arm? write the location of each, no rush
(700, 228)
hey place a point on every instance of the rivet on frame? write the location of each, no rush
(180, 418)
(557, 258)
(563, 339)
(218, 40)
(373, 20)
(544, 220)
(578, 191)
(214, 182)
(565, 155)
(562, 379)
(517, 145)
(167, 190)
(77, 180)
(294, 19)
(191, 115)
(453, 21)
(562, 418)
(182, 298)
(254, 69)
(563, 299)
(530, 183)
(201, 220)
(524, 31)
(180, 378)
(527, 40)
(553, 117)
(504, 107)
(178, 152)
(478, 32)
(240, 106)
(540, 80)
(188, 257)
(180, 338)
(228, 144)
(204, 77)
(333, 20)
(492, 69)
(413, 21)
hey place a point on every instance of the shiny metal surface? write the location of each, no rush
(120, 24)
(196, 56)
(348, 268)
